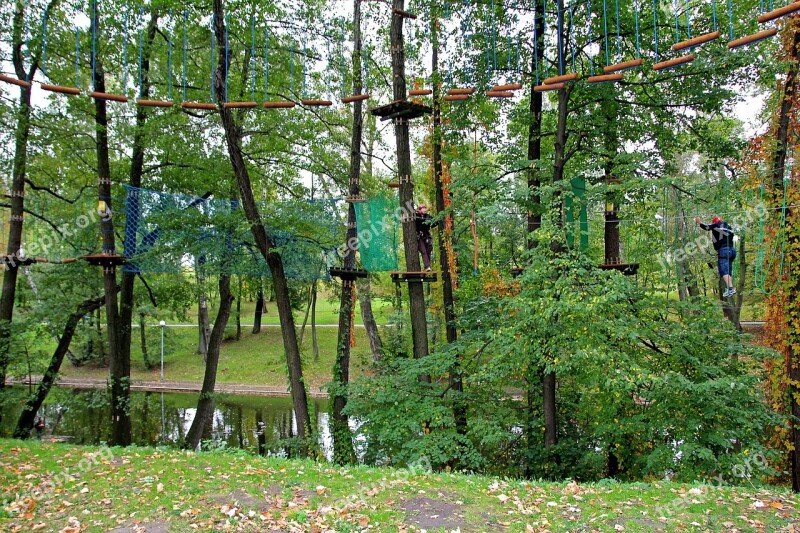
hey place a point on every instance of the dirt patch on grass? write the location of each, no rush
(427, 513)
(242, 499)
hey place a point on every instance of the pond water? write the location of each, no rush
(254, 423)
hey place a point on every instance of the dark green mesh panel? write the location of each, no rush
(377, 233)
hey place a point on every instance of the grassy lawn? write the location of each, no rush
(50, 487)
(253, 360)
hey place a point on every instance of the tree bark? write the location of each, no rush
(343, 452)
(126, 296)
(792, 245)
(419, 325)
(445, 243)
(534, 216)
(259, 310)
(203, 320)
(120, 363)
(34, 403)
(19, 169)
(239, 311)
(205, 404)
(233, 138)
(364, 293)
(143, 334)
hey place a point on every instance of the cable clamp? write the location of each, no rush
(406, 179)
(17, 194)
(105, 181)
(16, 218)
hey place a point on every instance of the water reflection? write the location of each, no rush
(257, 424)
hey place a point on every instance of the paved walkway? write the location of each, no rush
(176, 386)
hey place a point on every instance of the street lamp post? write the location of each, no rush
(162, 324)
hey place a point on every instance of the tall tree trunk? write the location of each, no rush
(233, 138)
(534, 216)
(792, 289)
(259, 309)
(343, 452)
(143, 335)
(203, 320)
(314, 340)
(21, 135)
(120, 363)
(34, 403)
(126, 296)
(205, 404)
(419, 326)
(239, 311)
(445, 243)
(559, 162)
(364, 293)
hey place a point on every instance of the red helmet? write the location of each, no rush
(715, 220)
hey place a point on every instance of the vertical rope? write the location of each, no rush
(341, 62)
(253, 58)
(77, 56)
(94, 41)
(677, 30)
(688, 21)
(619, 39)
(125, 50)
(519, 64)
(494, 40)
(730, 20)
(605, 30)
(589, 19)
(266, 62)
(714, 14)
(655, 29)
(141, 47)
(185, 38)
(169, 60)
(365, 55)
(213, 23)
(27, 45)
(535, 48)
(636, 24)
(44, 43)
(305, 58)
(291, 70)
(560, 39)
(328, 72)
(572, 35)
(508, 44)
(227, 55)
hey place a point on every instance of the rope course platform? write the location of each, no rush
(401, 109)
(627, 269)
(104, 260)
(348, 273)
(414, 277)
(516, 271)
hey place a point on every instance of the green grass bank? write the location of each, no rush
(59, 487)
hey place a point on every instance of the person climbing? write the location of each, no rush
(722, 238)
(39, 427)
(422, 221)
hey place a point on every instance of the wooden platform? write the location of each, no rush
(426, 277)
(401, 109)
(627, 269)
(104, 260)
(516, 271)
(348, 273)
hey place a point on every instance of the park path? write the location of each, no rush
(176, 386)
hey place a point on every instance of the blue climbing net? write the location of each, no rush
(169, 232)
